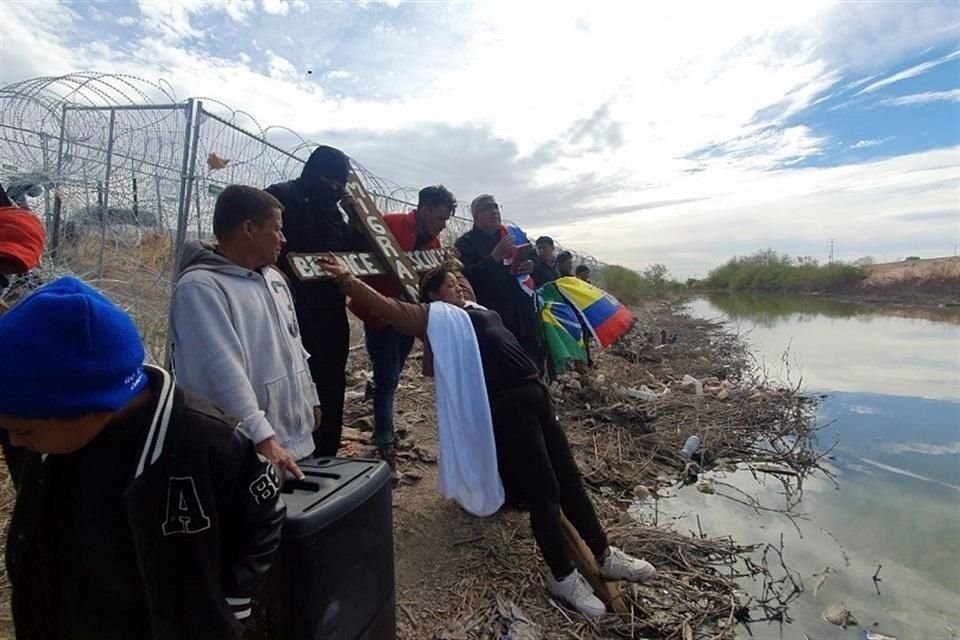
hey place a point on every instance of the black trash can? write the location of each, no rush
(333, 578)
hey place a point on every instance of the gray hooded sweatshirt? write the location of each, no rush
(236, 342)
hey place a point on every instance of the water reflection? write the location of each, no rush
(846, 347)
(893, 399)
(767, 310)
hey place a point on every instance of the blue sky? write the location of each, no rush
(679, 133)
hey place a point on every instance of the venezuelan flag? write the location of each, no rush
(561, 328)
(606, 317)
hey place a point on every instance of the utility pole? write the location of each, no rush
(831, 252)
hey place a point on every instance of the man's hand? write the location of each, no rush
(525, 268)
(317, 416)
(504, 248)
(276, 454)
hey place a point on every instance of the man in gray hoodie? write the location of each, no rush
(235, 336)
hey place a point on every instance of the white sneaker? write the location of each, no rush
(620, 566)
(575, 591)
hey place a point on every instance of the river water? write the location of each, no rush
(892, 383)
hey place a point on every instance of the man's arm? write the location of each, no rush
(208, 359)
(252, 521)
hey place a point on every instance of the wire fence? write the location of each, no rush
(123, 173)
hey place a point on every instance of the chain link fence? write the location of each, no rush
(123, 173)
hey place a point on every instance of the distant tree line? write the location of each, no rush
(630, 286)
(769, 270)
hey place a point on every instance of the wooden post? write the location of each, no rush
(609, 591)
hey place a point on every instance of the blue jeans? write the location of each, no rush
(388, 350)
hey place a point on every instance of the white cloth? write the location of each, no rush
(468, 470)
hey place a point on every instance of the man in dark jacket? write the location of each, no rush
(141, 512)
(565, 264)
(482, 251)
(545, 269)
(314, 223)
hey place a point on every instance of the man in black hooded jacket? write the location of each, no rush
(314, 223)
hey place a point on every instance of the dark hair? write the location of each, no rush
(543, 240)
(238, 203)
(564, 256)
(432, 281)
(436, 195)
(4, 200)
(582, 269)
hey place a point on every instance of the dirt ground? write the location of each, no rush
(932, 282)
(928, 269)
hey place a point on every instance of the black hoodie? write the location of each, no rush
(314, 223)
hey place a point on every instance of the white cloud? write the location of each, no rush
(912, 72)
(169, 20)
(866, 206)
(927, 97)
(865, 144)
(948, 449)
(637, 103)
(280, 68)
(276, 7)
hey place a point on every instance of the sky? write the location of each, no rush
(679, 133)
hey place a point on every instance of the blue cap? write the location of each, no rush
(68, 351)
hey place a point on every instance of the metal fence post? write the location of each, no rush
(195, 142)
(105, 206)
(57, 198)
(183, 200)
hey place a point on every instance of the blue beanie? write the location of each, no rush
(66, 351)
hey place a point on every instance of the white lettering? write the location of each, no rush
(355, 265)
(403, 272)
(316, 268)
(303, 267)
(416, 260)
(368, 263)
(412, 290)
(387, 247)
(376, 225)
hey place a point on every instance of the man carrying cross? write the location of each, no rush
(388, 349)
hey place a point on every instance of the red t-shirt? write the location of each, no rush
(403, 226)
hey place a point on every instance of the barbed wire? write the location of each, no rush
(116, 150)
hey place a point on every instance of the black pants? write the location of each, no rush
(536, 466)
(326, 337)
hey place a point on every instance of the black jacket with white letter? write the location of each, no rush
(204, 514)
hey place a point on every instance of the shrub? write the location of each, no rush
(770, 271)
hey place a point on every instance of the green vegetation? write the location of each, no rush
(771, 271)
(630, 287)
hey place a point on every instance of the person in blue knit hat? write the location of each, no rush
(141, 512)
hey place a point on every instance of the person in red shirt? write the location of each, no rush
(388, 349)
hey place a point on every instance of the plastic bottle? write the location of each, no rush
(690, 447)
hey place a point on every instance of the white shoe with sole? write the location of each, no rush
(620, 566)
(576, 592)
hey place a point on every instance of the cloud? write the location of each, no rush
(927, 97)
(865, 144)
(632, 129)
(911, 72)
(948, 449)
(276, 7)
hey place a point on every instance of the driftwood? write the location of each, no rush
(610, 592)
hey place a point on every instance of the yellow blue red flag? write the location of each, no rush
(606, 317)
